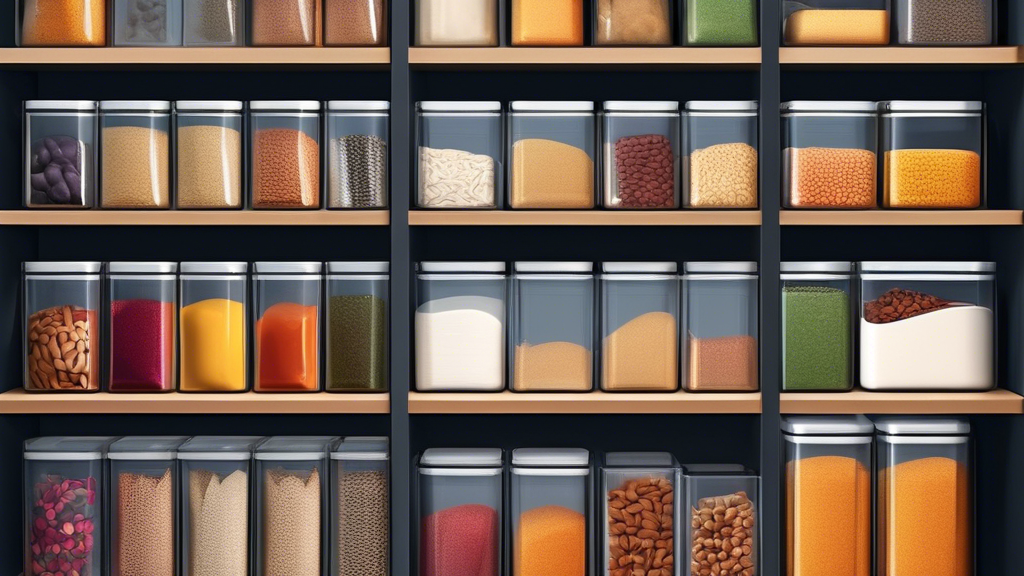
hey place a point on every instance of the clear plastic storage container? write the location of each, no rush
(356, 22)
(934, 154)
(720, 346)
(828, 502)
(459, 511)
(359, 504)
(829, 154)
(62, 328)
(60, 153)
(357, 327)
(213, 326)
(553, 326)
(214, 22)
(547, 22)
(357, 153)
(552, 156)
(721, 22)
(723, 524)
(208, 154)
(927, 325)
(142, 326)
(147, 22)
(460, 326)
(460, 153)
(284, 155)
(817, 327)
(633, 22)
(925, 510)
(70, 23)
(135, 154)
(640, 326)
(641, 155)
(835, 22)
(456, 22)
(941, 23)
(285, 23)
(720, 139)
(286, 320)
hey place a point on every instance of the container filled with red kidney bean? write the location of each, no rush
(641, 155)
(143, 304)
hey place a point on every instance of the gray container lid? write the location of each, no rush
(63, 267)
(827, 425)
(925, 106)
(463, 267)
(214, 267)
(832, 267)
(294, 447)
(551, 106)
(359, 105)
(457, 106)
(136, 105)
(209, 105)
(76, 105)
(720, 267)
(551, 457)
(640, 460)
(142, 267)
(923, 426)
(285, 105)
(641, 106)
(722, 106)
(146, 448)
(639, 267)
(717, 470)
(218, 448)
(287, 267)
(461, 457)
(933, 266)
(360, 448)
(554, 267)
(358, 267)
(839, 106)
(72, 448)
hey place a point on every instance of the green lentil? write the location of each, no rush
(721, 22)
(357, 343)
(815, 338)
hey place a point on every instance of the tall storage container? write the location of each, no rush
(356, 22)
(147, 22)
(460, 154)
(723, 520)
(547, 22)
(357, 153)
(74, 23)
(284, 155)
(60, 153)
(135, 154)
(208, 154)
(720, 139)
(817, 325)
(721, 22)
(938, 23)
(213, 326)
(359, 504)
(456, 22)
(142, 326)
(286, 318)
(357, 327)
(632, 23)
(835, 22)
(214, 22)
(552, 156)
(641, 155)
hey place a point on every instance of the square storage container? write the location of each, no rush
(214, 22)
(927, 325)
(144, 505)
(925, 497)
(60, 153)
(552, 156)
(828, 480)
(459, 511)
(720, 139)
(284, 159)
(641, 155)
(285, 23)
(553, 326)
(460, 326)
(460, 154)
(817, 327)
(62, 303)
(143, 326)
(208, 154)
(360, 540)
(214, 326)
(721, 319)
(550, 507)
(829, 154)
(633, 22)
(356, 22)
(640, 326)
(135, 154)
(722, 509)
(835, 22)
(721, 22)
(547, 22)
(934, 154)
(147, 22)
(357, 327)
(357, 153)
(939, 23)
(456, 22)
(286, 318)
(73, 23)
(215, 505)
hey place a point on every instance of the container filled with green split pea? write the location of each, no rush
(817, 335)
(357, 326)
(720, 22)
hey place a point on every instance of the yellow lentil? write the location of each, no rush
(854, 27)
(135, 168)
(549, 174)
(724, 176)
(830, 178)
(932, 179)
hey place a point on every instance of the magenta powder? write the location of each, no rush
(460, 541)
(141, 345)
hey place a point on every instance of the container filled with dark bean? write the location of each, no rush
(945, 22)
(60, 154)
(357, 326)
(357, 153)
(641, 155)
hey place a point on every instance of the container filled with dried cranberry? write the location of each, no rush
(143, 308)
(641, 155)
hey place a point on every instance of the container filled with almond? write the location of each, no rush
(722, 523)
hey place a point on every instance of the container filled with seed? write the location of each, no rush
(359, 505)
(641, 155)
(817, 326)
(214, 22)
(135, 154)
(357, 327)
(945, 23)
(721, 521)
(357, 153)
(720, 139)
(284, 154)
(208, 140)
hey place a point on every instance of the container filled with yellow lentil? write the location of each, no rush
(720, 139)
(552, 155)
(835, 22)
(641, 155)
(934, 154)
(284, 154)
(208, 154)
(135, 154)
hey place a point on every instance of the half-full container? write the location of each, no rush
(357, 327)
(214, 22)
(284, 155)
(459, 154)
(135, 154)
(723, 520)
(641, 155)
(552, 161)
(286, 320)
(357, 153)
(61, 139)
(147, 22)
(456, 22)
(208, 154)
(720, 140)
(142, 326)
(359, 505)
(835, 22)
(547, 22)
(629, 23)
(817, 325)
(938, 23)
(213, 326)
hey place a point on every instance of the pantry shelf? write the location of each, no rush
(901, 217)
(108, 56)
(195, 218)
(509, 56)
(865, 402)
(976, 55)
(584, 218)
(588, 403)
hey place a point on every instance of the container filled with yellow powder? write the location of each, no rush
(722, 520)
(641, 155)
(720, 140)
(460, 154)
(547, 22)
(135, 154)
(208, 159)
(552, 155)
(835, 22)
(212, 324)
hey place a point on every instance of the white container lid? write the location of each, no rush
(67, 447)
(551, 106)
(136, 105)
(720, 267)
(554, 267)
(214, 267)
(923, 426)
(722, 105)
(489, 267)
(639, 267)
(142, 267)
(359, 105)
(287, 267)
(358, 267)
(294, 448)
(211, 105)
(360, 448)
(716, 469)
(639, 460)
(145, 448)
(827, 425)
(931, 106)
(829, 106)
(84, 105)
(291, 105)
(641, 106)
(834, 267)
(218, 448)
(965, 267)
(63, 267)
(461, 457)
(551, 457)
(455, 106)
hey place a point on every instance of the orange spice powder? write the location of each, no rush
(64, 23)
(286, 348)
(550, 541)
(547, 22)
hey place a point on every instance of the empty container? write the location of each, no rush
(456, 22)
(460, 154)
(722, 519)
(135, 154)
(49, 23)
(357, 327)
(641, 155)
(214, 326)
(286, 317)
(938, 23)
(632, 23)
(214, 22)
(285, 23)
(359, 505)
(284, 155)
(355, 22)
(835, 22)
(720, 140)
(552, 156)
(547, 22)
(147, 22)
(142, 326)
(208, 154)
(817, 327)
(357, 153)
(60, 153)
(721, 22)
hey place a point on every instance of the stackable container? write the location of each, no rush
(357, 327)
(208, 154)
(357, 153)
(213, 323)
(639, 326)
(817, 327)
(550, 507)
(62, 304)
(828, 480)
(147, 22)
(553, 326)
(925, 510)
(547, 22)
(48, 23)
(728, 495)
(720, 343)
(60, 153)
(458, 510)
(829, 154)
(284, 155)
(356, 22)
(641, 155)
(135, 154)
(286, 320)
(835, 22)
(721, 23)
(927, 325)
(285, 23)
(359, 505)
(720, 140)
(142, 326)
(552, 161)
(627, 23)
(460, 154)
(934, 154)
(456, 23)
(214, 22)
(931, 23)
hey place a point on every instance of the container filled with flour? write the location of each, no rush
(460, 147)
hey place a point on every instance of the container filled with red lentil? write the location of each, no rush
(208, 154)
(142, 327)
(552, 156)
(357, 153)
(355, 22)
(60, 153)
(285, 23)
(286, 317)
(284, 154)
(641, 155)
(720, 139)
(135, 154)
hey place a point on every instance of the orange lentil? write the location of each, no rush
(854, 27)
(831, 178)
(932, 179)
(286, 169)
(547, 22)
(64, 23)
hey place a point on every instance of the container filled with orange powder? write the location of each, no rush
(547, 22)
(835, 22)
(553, 155)
(287, 320)
(62, 22)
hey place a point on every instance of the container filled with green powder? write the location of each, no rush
(721, 22)
(817, 336)
(357, 327)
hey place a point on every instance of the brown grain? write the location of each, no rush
(135, 168)
(724, 363)
(362, 523)
(355, 22)
(286, 169)
(291, 523)
(286, 23)
(641, 528)
(145, 525)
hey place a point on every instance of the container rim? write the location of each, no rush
(63, 267)
(365, 267)
(358, 105)
(734, 267)
(923, 426)
(291, 105)
(551, 106)
(926, 266)
(165, 455)
(76, 105)
(142, 267)
(931, 106)
(462, 267)
(551, 457)
(214, 267)
(639, 267)
(287, 267)
(209, 105)
(834, 267)
(458, 106)
(722, 106)
(641, 106)
(829, 106)
(827, 426)
(552, 267)
(461, 457)
(69, 456)
(366, 456)
(136, 105)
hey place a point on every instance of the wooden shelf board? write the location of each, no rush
(583, 403)
(195, 217)
(585, 55)
(902, 55)
(193, 55)
(901, 217)
(865, 402)
(584, 218)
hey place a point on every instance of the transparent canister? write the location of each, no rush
(458, 506)
(213, 323)
(641, 155)
(357, 153)
(460, 326)
(552, 162)
(721, 318)
(639, 326)
(359, 505)
(835, 22)
(147, 22)
(722, 508)
(355, 22)
(547, 22)
(62, 328)
(60, 153)
(208, 154)
(285, 23)
(713, 23)
(214, 22)
(828, 502)
(49, 23)
(448, 23)
(357, 327)
(817, 326)
(934, 154)
(937, 23)
(142, 326)
(284, 155)
(927, 325)
(829, 154)
(286, 317)
(632, 23)
(135, 154)
(460, 153)
(720, 139)
(551, 494)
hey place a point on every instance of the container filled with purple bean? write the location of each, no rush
(60, 154)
